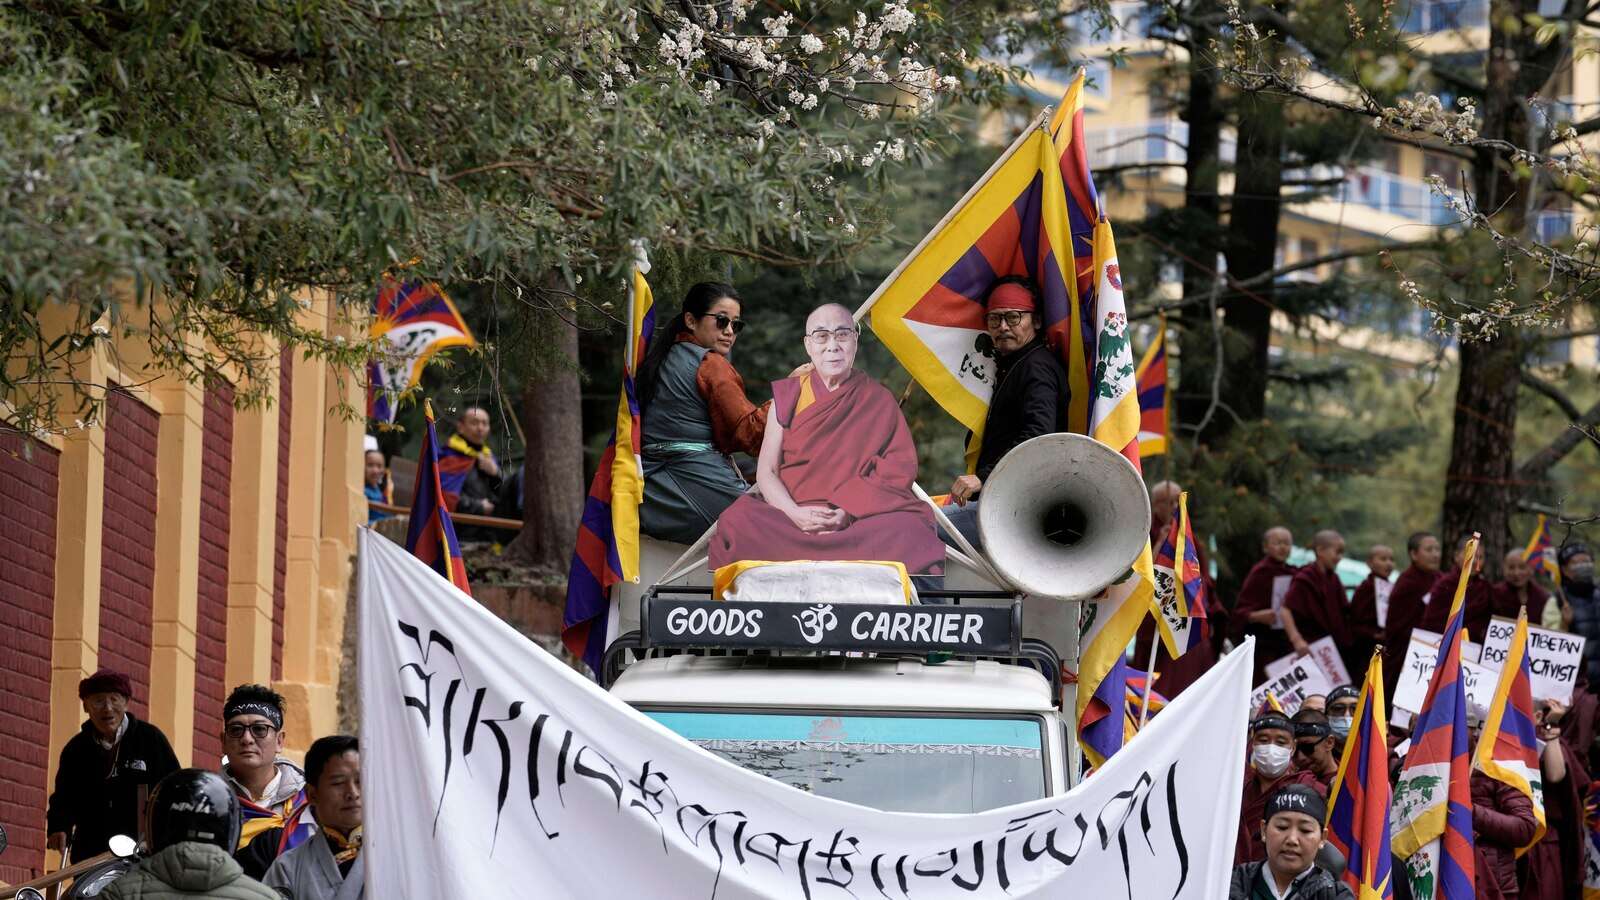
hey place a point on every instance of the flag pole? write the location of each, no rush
(1150, 675)
(1038, 122)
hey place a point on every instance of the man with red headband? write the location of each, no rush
(1030, 392)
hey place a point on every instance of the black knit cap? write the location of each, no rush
(1568, 551)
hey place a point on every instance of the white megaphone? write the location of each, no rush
(1063, 516)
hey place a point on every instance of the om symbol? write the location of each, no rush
(816, 622)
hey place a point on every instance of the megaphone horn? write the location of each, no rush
(1063, 515)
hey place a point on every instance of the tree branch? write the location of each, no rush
(1319, 261)
(1556, 395)
(1580, 430)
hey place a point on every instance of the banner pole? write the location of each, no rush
(1038, 122)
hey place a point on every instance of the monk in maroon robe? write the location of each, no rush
(1519, 590)
(1315, 605)
(1173, 675)
(1407, 603)
(1553, 868)
(835, 470)
(1479, 603)
(1253, 614)
(1364, 627)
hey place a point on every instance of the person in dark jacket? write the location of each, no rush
(102, 769)
(1292, 830)
(1030, 393)
(193, 825)
(1270, 770)
(1577, 586)
(1503, 824)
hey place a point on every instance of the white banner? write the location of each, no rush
(1300, 679)
(1553, 657)
(490, 768)
(1326, 657)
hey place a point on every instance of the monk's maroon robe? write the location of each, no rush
(1405, 613)
(1478, 606)
(1255, 595)
(850, 449)
(1364, 630)
(1316, 597)
(1553, 868)
(1507, 600)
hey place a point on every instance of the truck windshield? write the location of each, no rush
(925, 764)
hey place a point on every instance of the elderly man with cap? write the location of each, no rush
(103, 768)
(1030, 392)
(1269, 770)
(1291, 830)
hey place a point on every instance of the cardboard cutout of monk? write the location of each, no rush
(835, 471)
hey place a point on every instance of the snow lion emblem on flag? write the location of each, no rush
(1113, 371)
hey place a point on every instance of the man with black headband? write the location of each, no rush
(1313, 746)
(1270, 770)
(1577, 584)
(271, 789)
(1291, 829)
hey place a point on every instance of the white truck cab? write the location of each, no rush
(951, 712)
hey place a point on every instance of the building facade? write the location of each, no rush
(195, 545)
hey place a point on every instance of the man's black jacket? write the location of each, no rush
(1030, 399)
(97, 790)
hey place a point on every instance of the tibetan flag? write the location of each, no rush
(457, 459)
(432, 536)
(1541, 551)
(1155, 404)
(289, 815)
(411, 321)
(930, 313)
(1591, 843)
(1508, 749)
(1180, 586)
(1358, 806)
(1432, 811)
(1138, 684)
(607, 551)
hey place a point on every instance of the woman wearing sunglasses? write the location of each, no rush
(695, 416)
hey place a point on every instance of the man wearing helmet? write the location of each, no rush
(192, 827)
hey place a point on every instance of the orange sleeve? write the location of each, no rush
(736, 423)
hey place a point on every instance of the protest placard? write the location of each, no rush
(1470, 652)
(1280, 589)
(1553, 657)
(1421, 657)
(1326, 656)
(1380, 593)
(1302, 679)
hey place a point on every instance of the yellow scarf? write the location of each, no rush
(344, 846)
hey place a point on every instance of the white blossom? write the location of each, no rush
(796, 97)
(822, 85)
(811, 44)
(778, 27)
(609, 98)
(870, 111)
(897, 18)
(850, 229)
(810, 102)
(896, 150)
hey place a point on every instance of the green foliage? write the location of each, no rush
(223, 157)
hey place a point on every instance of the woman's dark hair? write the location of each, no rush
(698, 301)
(324, 749)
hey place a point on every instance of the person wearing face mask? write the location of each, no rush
(1271, 769)
(1407, 601)
(1342, 702)
(1292, 833)
(1577, 583)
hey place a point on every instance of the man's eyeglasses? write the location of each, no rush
(724, 322)
(258, 730)
(842, 336)
(1012, 318)
(1309, 748)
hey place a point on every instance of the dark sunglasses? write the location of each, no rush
(724, 322)
(258, 730)
(1308, 748)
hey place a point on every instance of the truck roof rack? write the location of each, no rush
(684, 619)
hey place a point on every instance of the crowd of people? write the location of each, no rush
(1287, 608)
(260, 827)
